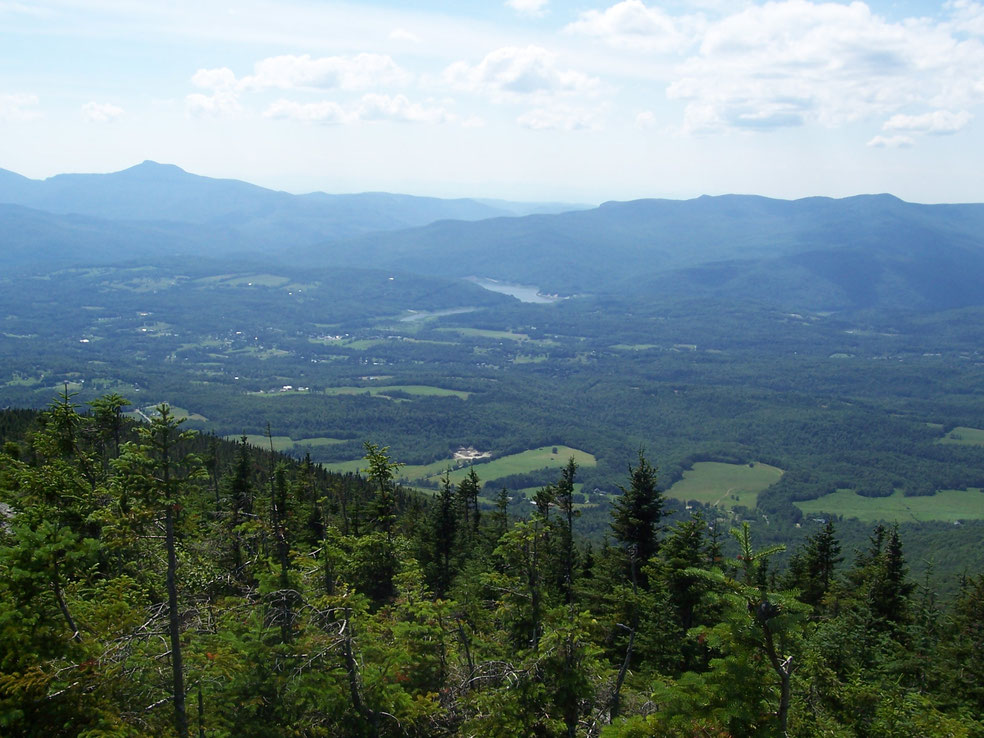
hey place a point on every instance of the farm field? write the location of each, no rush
(964, 437)
(485, 333)
(284, 443)
(946, 505)
(724, 485)
(521, 463)
(410, 389)
(524, 462)
(178, 413)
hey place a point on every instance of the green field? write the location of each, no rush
(483, 333)
(521, 463)
(410, 389)
(964, 436)
(633, 346)
(725, 485)
(524, 462)
(363, 344)
(285, 443)
(946, 505)
(342, 467)
(178, 413)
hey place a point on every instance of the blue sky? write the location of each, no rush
(524, 99)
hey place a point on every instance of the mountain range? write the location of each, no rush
(156, 203)
(869, 251)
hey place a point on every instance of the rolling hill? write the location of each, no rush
(252, 217)
(859, 252)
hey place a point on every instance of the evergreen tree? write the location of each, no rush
(468, 491)
(156, 466)
(444, 535)
(812, 567)
(638, 513)
(381, 472)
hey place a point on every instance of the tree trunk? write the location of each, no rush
(177, 665)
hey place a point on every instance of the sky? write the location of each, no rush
(543, 100)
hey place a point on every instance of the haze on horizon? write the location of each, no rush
(523, 99)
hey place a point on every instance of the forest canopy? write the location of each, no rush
(159, 582)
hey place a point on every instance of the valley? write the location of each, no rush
(760, 338)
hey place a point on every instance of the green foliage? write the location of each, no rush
(439, 622)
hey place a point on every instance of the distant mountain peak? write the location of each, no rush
(148, 167)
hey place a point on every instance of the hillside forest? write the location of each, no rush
(156, 581)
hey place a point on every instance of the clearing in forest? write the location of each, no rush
(946, 505)
(545, 457)
(725, 485)
(285, 443)
(421, 390)
(964, 436)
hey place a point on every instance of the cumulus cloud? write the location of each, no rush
(399, 108)
(891, 142)
(316, 112)
(221, 78)
(633, 24)
(290, 72)
(529, 7)
(101, 112)
(357, 72)
(293, 72)
(18, 107)
(559, 119)
(515, 73)
(645, 119)
(939, 122)
(967, 16)
(371, 107)
(788, 63)
(223, 103)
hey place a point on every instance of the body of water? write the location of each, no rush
(522, 292)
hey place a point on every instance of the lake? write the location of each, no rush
(522, 292)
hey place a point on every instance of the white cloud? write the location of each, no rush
(790, 63)
(399, 108)
(221, 78)
(357, 72)
(223, 103)
(938, 122)
(101, 112)
(19, 107)
(317, 112)
(559, 119)
(891, 142)
(632, 24)
(968, 16)
(371, 107)
(514, 73)
(402, 34)
(645, 119)
(290, 72)
(529, 7)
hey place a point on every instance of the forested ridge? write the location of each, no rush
(160, 582)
